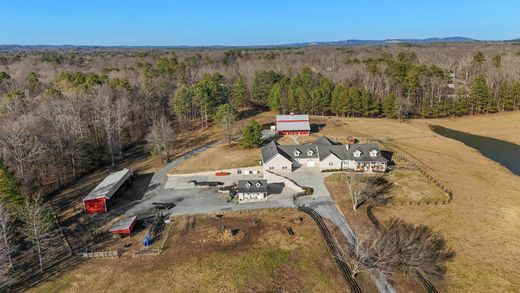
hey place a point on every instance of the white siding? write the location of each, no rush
(331, 162)
(278, 163)
(251, 196)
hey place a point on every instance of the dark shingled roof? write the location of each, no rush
(365, 150)
(321, 148)
(254, 186)
(303, 149)
(323, 140)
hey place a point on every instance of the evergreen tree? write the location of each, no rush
(239, 94)
(262, 84)
(481, 100)
(252, 135)
(226, 116)
(8, 186)
(389, 106)
(339, 101)
(322, 95)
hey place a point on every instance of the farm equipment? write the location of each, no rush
(206, 183)
(163, 205)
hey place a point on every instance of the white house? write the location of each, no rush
(324, 154)
(252, 190)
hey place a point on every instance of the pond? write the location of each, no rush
(503, 152)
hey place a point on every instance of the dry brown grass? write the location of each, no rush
(501, 126)
(482, 223)
(262, 259)
(219, 157)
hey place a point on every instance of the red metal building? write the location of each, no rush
(124, 227)
(293, 125)
(96, 200)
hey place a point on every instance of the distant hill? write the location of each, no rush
(351, 42)
(386, 42)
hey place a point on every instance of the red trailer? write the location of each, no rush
(124, 227)
(96, 200)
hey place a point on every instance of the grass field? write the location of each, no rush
(502, 126)
(203, 257)
(219, 157)
(482, 223)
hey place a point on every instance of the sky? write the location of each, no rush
(250, 22)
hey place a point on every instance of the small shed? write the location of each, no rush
(96, 200)
(124, 227)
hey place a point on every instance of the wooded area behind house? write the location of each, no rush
(64, 112)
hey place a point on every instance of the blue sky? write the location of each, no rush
(250, 22)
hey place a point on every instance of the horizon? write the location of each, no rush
(257, 23)
(310, 43)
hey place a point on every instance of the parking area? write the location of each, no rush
(186, 181)
(191, 199)
(309, 177)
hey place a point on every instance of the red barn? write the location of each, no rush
(96, 200)
(124, 227)
(293, 125)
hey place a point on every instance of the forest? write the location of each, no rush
(64, 112)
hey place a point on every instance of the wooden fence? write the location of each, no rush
(414, 166)
(100, 254)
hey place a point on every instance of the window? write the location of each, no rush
(373, 153)
(284, 167)
(310, 152)
(357, 153)
(271, 168)
(296, 153)
(258, 184)
(331, 163)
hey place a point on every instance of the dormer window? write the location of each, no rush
(297, 153)
(357, 153)
(258, 184)
(373, 153)
(248, 184)
(310, 152)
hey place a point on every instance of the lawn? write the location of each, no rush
(219, 157)
(203, 257)
(482, 223)
(501, 126)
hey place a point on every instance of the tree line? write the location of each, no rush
(58, 127)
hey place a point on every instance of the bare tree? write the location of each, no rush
(160, 137)
(38, 228)
(20, 144)
(6, 247)
(366, 188)
(403, 248)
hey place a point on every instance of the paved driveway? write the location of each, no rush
(204, 200)
(309, 177)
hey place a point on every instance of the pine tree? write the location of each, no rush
(389, 106)
(252, 135)
(226, 116)
(8, 186)
(479, 96)
(239, 94)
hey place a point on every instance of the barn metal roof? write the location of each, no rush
(109, 185)
(292, 122)
(123, 224)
